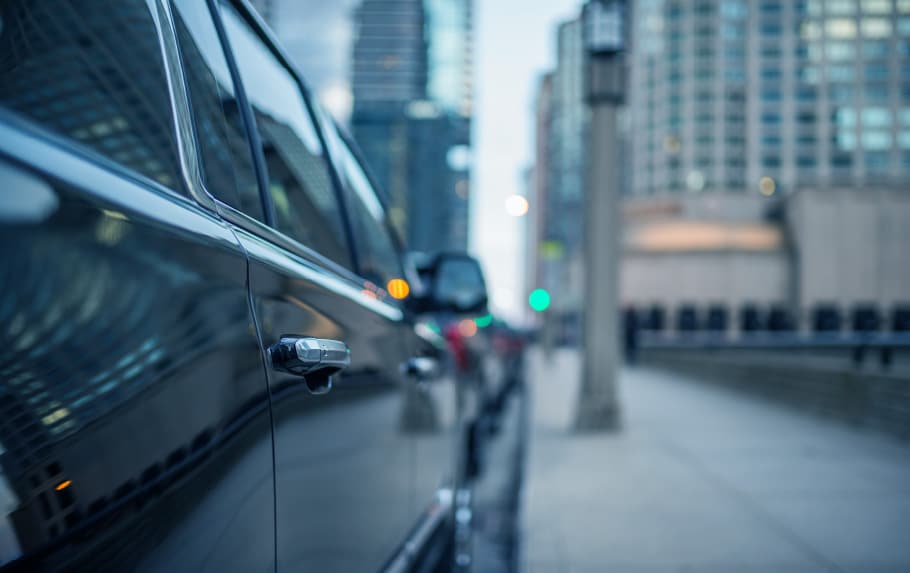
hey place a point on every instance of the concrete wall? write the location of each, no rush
(849, 246)
(870, 396)
(730, 278)
(853, 245)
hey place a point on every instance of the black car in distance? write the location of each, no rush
(202, 363)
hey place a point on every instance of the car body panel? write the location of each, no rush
(136, 429)
(343, 462)
(142, 427)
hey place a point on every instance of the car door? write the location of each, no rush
(344, 465)
(431, 413)
(135, 429)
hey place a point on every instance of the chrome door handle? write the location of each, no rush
(421, 367)
(316, 359)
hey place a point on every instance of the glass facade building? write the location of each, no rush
(412, 90)
(726, 94)
(559, 172)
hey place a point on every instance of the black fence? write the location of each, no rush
(823, 319)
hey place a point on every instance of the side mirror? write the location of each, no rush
(453, 283)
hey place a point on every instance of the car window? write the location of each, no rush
(92, 71)
(227, 161)
(300, 185)
(377, 255)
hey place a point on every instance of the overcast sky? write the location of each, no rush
(515, 44)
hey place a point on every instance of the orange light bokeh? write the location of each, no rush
(398, 288)
(467, 328)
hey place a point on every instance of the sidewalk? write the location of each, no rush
(704, 479)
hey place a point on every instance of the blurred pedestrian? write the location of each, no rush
(630, 331)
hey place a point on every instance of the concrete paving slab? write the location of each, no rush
(703, 478)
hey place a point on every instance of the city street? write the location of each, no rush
(706, 479)
(278, 276)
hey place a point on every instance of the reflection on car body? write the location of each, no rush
(167, 216)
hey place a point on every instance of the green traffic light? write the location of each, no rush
(484, 321)
(539, 300)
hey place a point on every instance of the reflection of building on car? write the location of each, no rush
(174, 206)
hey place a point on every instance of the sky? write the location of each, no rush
(515, 43)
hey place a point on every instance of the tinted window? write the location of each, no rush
(227, 162)
(91, 71)
(300, 186)
(376, 251)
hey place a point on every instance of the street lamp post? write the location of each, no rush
(604, 35)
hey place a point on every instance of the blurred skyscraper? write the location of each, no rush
(412, 90)
(561, 123)
(804, 92)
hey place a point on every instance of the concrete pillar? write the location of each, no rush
(598, 406)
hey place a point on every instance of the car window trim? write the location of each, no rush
(271, 44)
(246, 115)
(230, 214)
(26, 126)
(253, 226)
(19, 141)
(352, 147)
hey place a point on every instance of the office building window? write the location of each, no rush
(877, 162)
(846, 140)
(845, 117)
(806, 139)
(734, 9)
(876, 140)
(841, 7)
(805, 117)
(876, 6)
(876, 71)
(841, 73)
(840, 51)
(808, 74)
(876, 117)
(806, 94)
(840, 93)
(876, 92)
(840, 28)
(841, 160)
(875, 27)
(874, 49)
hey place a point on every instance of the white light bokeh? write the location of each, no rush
(516, 206)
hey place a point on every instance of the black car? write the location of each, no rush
(209, 359)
